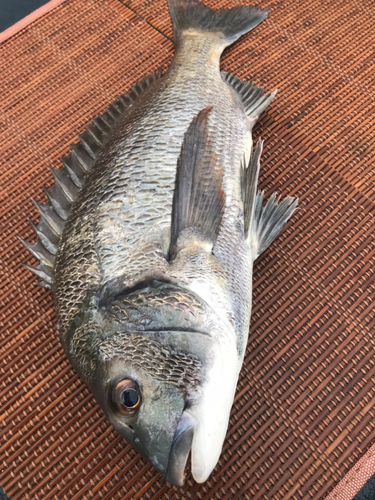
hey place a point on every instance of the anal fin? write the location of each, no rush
(198, 201)
(254, 99)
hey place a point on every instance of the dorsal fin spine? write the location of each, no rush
(40, 273)
(70, 179)
(39, 252)
(102, 124)
(51, 220)
(73, 176)
(96, 134)
(65, 184)
(84, 139)
(78, 158)
(56, 205)
(45, 241)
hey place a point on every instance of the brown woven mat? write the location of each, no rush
(304, 410)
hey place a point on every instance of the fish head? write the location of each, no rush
(168, 388)
(144, 387)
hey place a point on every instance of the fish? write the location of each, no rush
(148, 242)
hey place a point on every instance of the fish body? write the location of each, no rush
(148, 244)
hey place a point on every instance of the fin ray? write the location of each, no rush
(270, 219)
(253, 98)
(198, 201)
(70, 179)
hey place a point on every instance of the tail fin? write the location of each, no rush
(231, 23)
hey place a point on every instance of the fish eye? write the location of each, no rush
(126, 396)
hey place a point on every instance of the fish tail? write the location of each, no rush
(230, 23)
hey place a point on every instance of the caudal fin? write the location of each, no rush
(231, 23)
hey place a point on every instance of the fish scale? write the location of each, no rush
(124, 228)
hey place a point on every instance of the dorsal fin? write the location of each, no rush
(70, 178)
(253, 98)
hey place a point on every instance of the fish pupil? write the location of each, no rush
(130, 398)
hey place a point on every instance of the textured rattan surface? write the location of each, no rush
(304, 410)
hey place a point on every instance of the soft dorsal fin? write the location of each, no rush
(253, 98)
(198, 200)
(70, 178)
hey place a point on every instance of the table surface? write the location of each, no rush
(304, 409)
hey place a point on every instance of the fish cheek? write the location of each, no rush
(150, 429)
(162, 407)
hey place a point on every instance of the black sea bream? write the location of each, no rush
(148, 243)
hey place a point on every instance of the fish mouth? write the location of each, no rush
(180, 449)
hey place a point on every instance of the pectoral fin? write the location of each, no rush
(198, 201)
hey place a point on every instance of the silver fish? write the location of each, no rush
(148, 243)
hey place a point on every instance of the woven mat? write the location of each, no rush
(304, 410)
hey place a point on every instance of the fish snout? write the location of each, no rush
(180, 449)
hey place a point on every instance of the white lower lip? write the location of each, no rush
(213, 411)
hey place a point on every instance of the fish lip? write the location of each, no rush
(180, 449)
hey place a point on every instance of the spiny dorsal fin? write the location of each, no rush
(198, 200)
(70, 179)
(39, 252)
(269, 220)
(253, 98)
(42, 272)
(249, 183)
